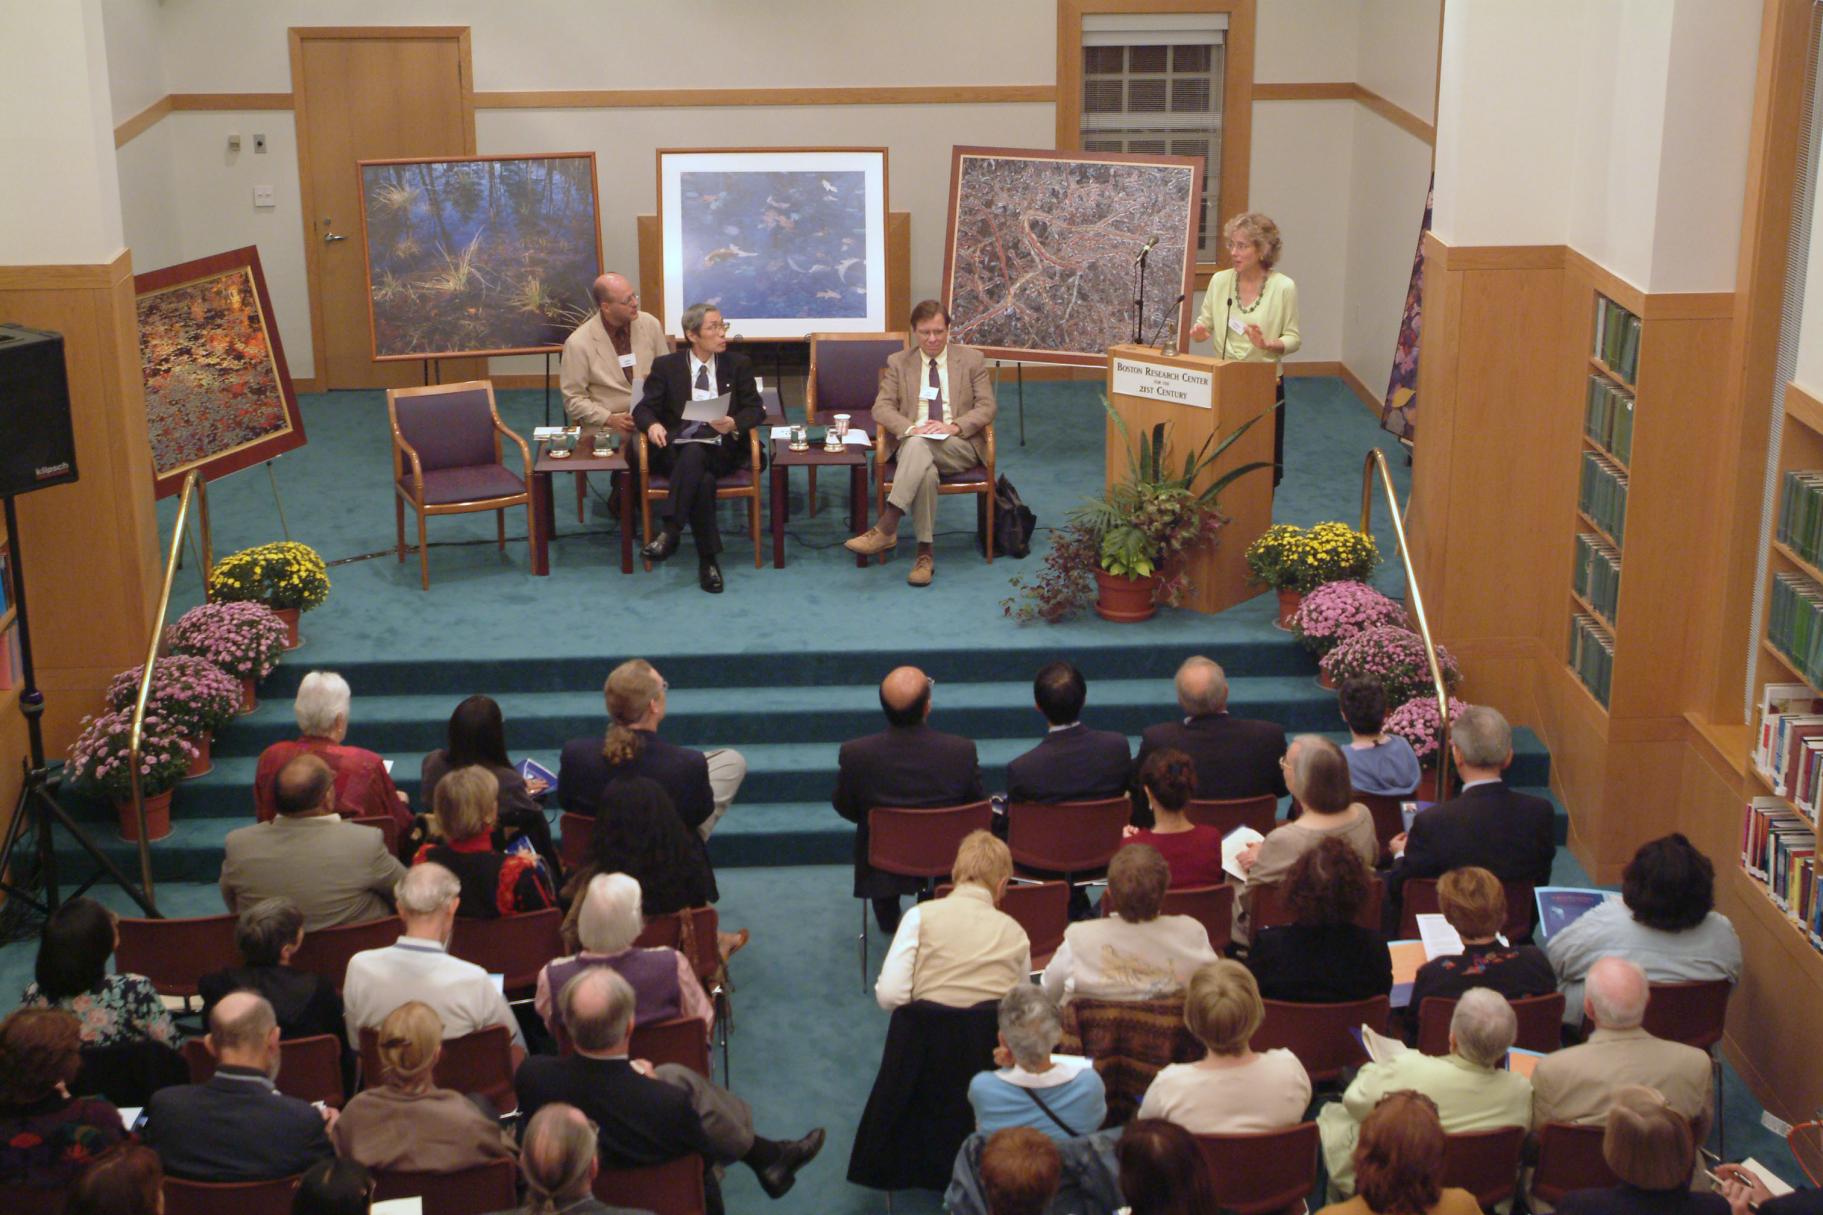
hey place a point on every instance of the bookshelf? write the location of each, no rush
(1609, 395)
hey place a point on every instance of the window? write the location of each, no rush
(1152, 85)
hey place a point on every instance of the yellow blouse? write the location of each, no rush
(1275, 312)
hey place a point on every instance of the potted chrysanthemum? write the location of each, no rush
(191, 695)
(1417, 722)
(286, 576)
(1392, 657)
(243, 639)
(1273, 559)
(100, 760)
(1335, 611)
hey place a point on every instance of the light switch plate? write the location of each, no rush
(263, 197)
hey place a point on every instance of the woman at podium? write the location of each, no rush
(1252, 310)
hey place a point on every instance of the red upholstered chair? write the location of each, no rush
(446, 457)
(574, 833)
(1570, 1158)
(1076, 839)
(679, 1040)
(672, 1188)
(310, 1069)
(1212, 906)
(175, 954)
(481, 1062)
(1418, 896)
(1389, 820)
(1485, 1163)
(388, 827)
(327, 950)
(741, 483)
(1319, 1034)
(978, 480)
(517, 946)
(1540, 1023)
(918, 843)
(1270, 911)
(845, 374)
(1225, 814)
(229, 1197)
(692, 932)
(475, 1190)
(1042, 909)
(1260, 1173)
(1693, 1013)
(31, 1200)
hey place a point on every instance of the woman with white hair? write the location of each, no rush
(1061, 1096)
(608, 923)
(1470, 1088)
(363, 787)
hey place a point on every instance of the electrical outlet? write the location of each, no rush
(234, 141)
(263, 197)
(259, 144)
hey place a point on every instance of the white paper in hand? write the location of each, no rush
(1380, 1048)
(1440, 940)
(1232, 843)
(1773, 1183)
(708, 409)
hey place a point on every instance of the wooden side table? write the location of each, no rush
(854, 458)
(544, 521)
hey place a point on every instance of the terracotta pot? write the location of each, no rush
(1288, 604)
(202, 765)
(250, 699)
(158, 817)
(1125, 600)
(1323, 679)
(290, 617)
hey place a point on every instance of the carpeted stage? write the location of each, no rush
(782, 666)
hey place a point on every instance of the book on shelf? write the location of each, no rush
(1794, 625)
(1778, 701)
(1596, 574)
(1617, 334)
(11, 671)
(1778, 848)
(1591, 654)
(1608, 416)
(1800, 526)
(1602, 493)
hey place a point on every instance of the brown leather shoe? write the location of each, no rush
(921, 571)
(871, 542)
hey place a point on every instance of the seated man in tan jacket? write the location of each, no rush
(1578, 1083)
(606, 353)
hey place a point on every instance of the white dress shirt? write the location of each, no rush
(412, 968)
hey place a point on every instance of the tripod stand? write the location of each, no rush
(37, 806)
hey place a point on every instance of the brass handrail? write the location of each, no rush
(192, 485)
(1376, 462)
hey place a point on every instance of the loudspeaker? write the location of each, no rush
(37, 445)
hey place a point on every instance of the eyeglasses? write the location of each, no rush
(715, 327)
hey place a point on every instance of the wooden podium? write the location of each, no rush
(1201, 397)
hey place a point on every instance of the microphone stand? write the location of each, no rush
(1139, 296)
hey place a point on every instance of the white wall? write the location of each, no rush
(1398, 53)
(1301, 156)
(1386, 189)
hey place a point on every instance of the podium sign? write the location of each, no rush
(1202, 399)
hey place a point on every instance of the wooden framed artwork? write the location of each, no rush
(1041, 258)
(784, 241)
(478, 255)
(218, 392)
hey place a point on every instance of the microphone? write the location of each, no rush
(1145, 249)
(1170, 315)
(1221, 347)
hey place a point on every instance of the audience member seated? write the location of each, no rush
(702, 784)
(334, 1187)
(907, 765)
(1193, 852)
(418, 966)
(1475, 904)
(1162, 1170)
(1746, 1193)
(237, 1126)
(1398, 1163)
(645, 1114)
(127, 1181)
(336, 872)
(1062, 1098)
(267, 934)
(1318, 776)
(47, 1136)
(494, 883)
(1578, 1083)
(1379, 763)
(1652, 1150)
(363, 786)
(1326, 957)
(1072, 763)
(477, 735)
(558, 1160)
(1665, 921)
(961, 949)
(1486, 824)
(1020, 1171)
(71, 973)
(1136, 953)
(405, 1123)
(1234, 756)
(664, 987)
(1231, 1090)
(1471, 1090)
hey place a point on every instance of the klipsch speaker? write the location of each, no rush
(37, 445)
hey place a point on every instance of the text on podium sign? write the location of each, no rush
(1177, 385)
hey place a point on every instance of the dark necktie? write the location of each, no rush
(936, 402)
(702, 385)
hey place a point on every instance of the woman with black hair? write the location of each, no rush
(477, 735)
(1665, 922)
(1161, 1170)
(72, 974)
(335, 1186)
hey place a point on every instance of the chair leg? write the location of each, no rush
(645, 524)
(988, 500)
(500, 528)
(582, 496)
(1721, 1111)
(753, 515)
(398, 518)
(811, 493)
(423, 553)
(530, 523)
(863, 942)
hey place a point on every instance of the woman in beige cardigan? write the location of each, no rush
(1316, 772)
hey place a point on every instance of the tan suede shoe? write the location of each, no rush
(871, 542)
(921, 571)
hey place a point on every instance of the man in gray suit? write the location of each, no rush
(336, 872)
(934, 407)
(1578, 1083)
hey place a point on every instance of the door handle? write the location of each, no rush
(328, 237)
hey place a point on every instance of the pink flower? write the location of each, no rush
(1394, 657)
(1335, 611)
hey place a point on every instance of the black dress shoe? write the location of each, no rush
(659, 549)
(781, 1174)
(709, 577)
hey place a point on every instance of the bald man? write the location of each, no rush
(907, 764)
(606, 353)
(1234, 756)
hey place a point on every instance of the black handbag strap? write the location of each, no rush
(1051, 1113)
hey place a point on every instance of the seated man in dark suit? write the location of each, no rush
(238, 1126)
(1072, 763)
(1234, 756)
(907, 765)
(1486, 824)
(644, 1114)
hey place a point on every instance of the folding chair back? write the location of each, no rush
(386, 824)
(1540, 1023)
(481, 1062)
(1389, 820)
(1319, 1034)
(175, 954)
(1485, 1163)
(692, 932)
(517, 946)
(327, 950)
(672, 1188)
(575, 832)
(1066, 837)
(1418, 896)
(1225, 814)
(1570, 1158)
(1211, 906)
(1042, 909)
(476, 1190)
(1692, 1013)
(678, 1040)
(1264, 1172)
(229, 1197)
(310, 1069)
(31, 1200)
(921, 843)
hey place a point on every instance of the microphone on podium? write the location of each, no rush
(1170, 315)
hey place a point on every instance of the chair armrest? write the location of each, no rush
(401, 447)
(643, 441)
(525, 452)
(753, 444)
(989, 431)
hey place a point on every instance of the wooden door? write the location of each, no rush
(369, 94)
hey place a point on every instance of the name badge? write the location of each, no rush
(927, 393)
(1238, 326)
(626, 360)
